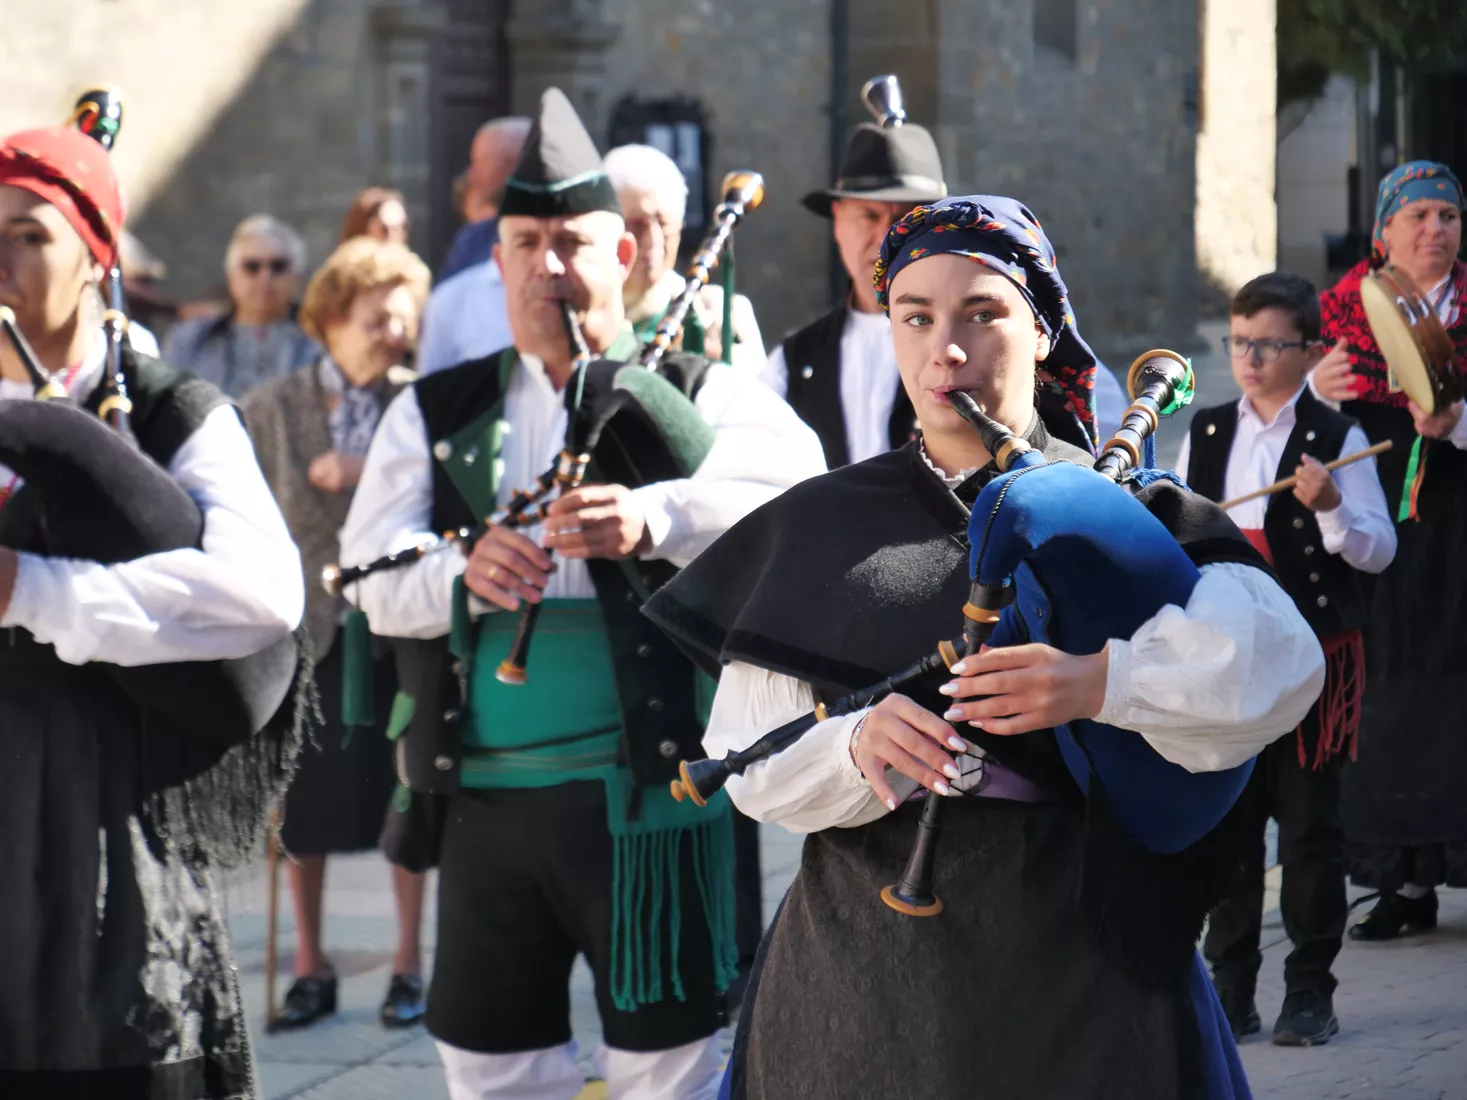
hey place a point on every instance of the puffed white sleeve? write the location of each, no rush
(760, 449)
(1212, 684)
(238, 593)
(1359, 528)
(811, 785)
(393, 510)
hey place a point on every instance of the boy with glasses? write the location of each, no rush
(1320, 538)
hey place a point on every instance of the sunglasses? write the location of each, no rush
(277, 266)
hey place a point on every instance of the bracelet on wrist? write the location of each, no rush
(856, 738)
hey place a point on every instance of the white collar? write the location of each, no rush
(952, 481)
(1285, 415)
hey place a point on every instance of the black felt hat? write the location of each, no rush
(885, 164)
(559, 174)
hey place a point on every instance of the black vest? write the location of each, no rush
(1328, 591)
(656, 683)
(812, 359)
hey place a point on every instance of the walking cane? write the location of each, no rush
(272, 865)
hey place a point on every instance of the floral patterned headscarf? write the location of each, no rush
(1411, 182)
(1002, 234)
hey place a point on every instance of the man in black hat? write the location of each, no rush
(839, 371)
(561, 837)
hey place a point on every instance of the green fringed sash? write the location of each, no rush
(356, 672)
(542, 735)
(647, 919)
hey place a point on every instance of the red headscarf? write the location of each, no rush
(74, 174)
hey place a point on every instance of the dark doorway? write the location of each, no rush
(471, 86)
(1440, 122)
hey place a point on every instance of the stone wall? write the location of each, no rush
(760, 70)
(1237, 222)
(283, 106)
(1100, 145)
(1085, 109)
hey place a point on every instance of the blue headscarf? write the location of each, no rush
(1002, 234)
(1411, 182)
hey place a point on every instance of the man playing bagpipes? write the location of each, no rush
(559, 836)
(1086, 837)
(148, 594)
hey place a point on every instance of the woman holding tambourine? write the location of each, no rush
(1399, 323)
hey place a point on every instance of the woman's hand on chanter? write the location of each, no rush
(1026, 688)
(897, 733)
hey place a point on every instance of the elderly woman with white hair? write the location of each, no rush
(256, 339)
(654, 201)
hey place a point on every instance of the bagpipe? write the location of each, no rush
(630, 423)
(1066, 556)
(89, 493)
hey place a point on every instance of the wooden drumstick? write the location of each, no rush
(1290, 482)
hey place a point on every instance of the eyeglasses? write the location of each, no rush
(1240, 347)
(277, 266)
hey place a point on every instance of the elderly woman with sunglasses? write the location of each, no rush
(257, 338)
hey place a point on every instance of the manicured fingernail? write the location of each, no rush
(957, 669)
(948, 689)
(891, 804)
(942, 788)
(953, 714)
(956, 742)
(950, 771)
(976, 724)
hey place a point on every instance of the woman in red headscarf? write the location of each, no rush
(118, 980)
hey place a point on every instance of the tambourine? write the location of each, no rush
(1412, 341)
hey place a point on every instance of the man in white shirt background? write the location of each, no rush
(465, 317)
(839, 372)
(654, 199)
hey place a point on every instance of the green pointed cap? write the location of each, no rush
(559, 174)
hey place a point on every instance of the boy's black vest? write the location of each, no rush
(656, 683)
(1329, 593)
(812, 358)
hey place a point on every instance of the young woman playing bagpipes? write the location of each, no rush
(1090, 779)
(148, 595)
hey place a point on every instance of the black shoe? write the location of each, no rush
(308, 1000)
(1307, 1020)
(1238, 1007)
(404, 1005)
(1394, 914)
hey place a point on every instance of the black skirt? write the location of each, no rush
(1408, 786)
(345, 777)
(1004, 995)
(117, 980)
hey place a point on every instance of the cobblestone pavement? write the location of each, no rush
(351, 1056)
(1402, 1006)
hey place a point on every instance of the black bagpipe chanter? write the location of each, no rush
(1064, 555)
(630, 424)
(87, 492)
